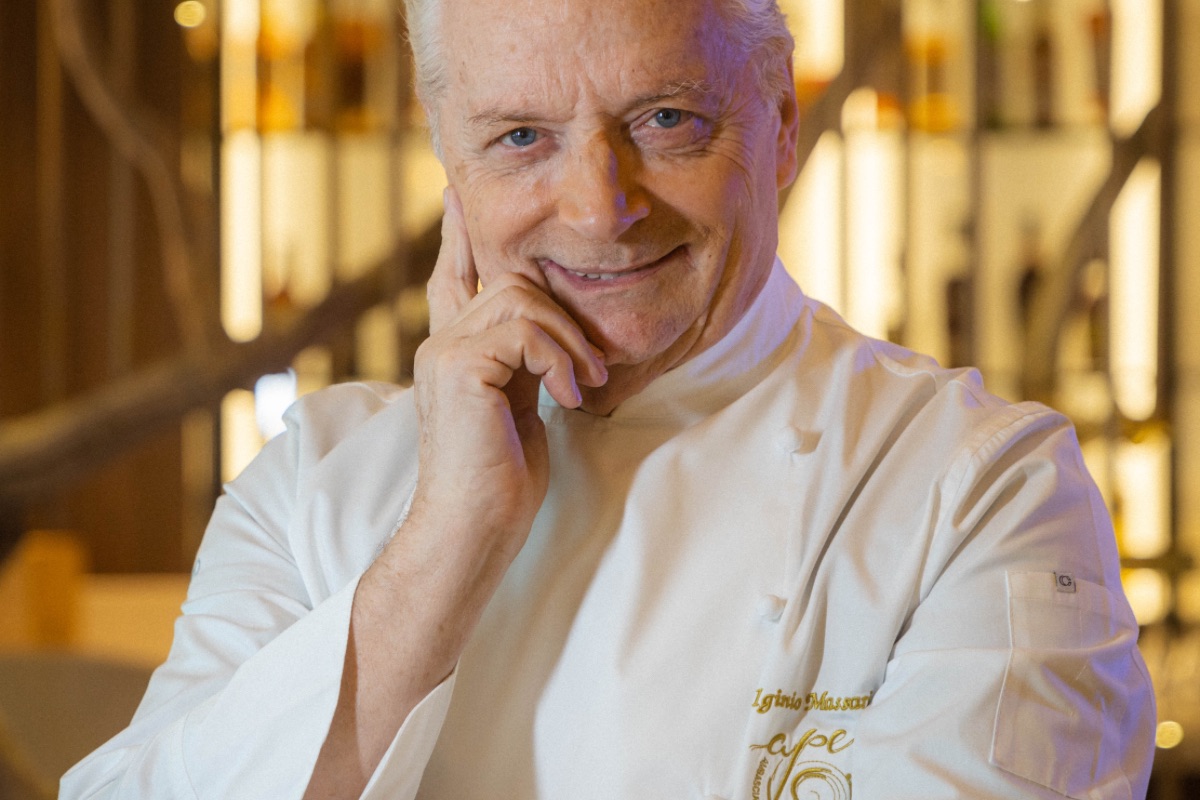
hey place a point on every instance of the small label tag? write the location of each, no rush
(1064, 582)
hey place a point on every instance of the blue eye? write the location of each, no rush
(668, 117)
(521, 137)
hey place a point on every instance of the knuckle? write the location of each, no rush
(433, 353)
(425, 354)
(526, 328)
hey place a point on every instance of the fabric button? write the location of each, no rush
(770, 607)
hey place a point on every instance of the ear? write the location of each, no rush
(789, 128)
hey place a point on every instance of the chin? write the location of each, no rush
(629, 345)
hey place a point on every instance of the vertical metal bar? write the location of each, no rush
(1168, 144)
(852, 20)
(341, 345)
(5, 80)
(121, 211)
(52, 341)
(397, 274)
(973, 233)
(1168, 147)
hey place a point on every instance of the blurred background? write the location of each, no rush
(210, 207)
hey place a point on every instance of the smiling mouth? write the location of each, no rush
(611, 275)
(602, 276)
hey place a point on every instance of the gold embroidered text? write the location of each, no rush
(808, 702)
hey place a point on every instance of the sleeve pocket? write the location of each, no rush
(1065, 686)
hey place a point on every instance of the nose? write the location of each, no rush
(598, 194)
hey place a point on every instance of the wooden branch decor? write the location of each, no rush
(1051, 304)
(127, 134)
(48, 449)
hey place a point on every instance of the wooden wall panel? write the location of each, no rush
(128, 512)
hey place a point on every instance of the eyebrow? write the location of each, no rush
(670, 91)
(675, 89)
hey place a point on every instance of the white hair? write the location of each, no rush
(756, 27)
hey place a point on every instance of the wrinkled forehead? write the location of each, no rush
(527, 42)
(488, 16)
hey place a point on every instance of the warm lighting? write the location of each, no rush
(817, 27)
(295, 222)
(241, 246)
(1143, 477)
(273, 395)
(240, 439)
(1168, 734)
(314, 369)
(1187, 596)
(377, 351)
(810, 225)
(191, 14)
(292, 22)
(861, 110)
(285, 29)
(1134, 292)
(239, 65)
(1097, 458)
(422, 179)
(939, 200)
(197, 450)
(1148, 593)
(874, 197)
(1136, 60)
(365, 210)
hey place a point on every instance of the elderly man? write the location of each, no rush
(651, 524)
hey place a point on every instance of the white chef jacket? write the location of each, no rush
(803, 564)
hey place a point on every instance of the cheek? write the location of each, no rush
(499, 221)
(716, 194)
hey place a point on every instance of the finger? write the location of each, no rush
(522, 345)
(454, 280)
(513, 297)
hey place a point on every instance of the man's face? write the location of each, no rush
(619, 153)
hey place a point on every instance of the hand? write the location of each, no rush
(483, 457)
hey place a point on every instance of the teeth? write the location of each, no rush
(595, 276)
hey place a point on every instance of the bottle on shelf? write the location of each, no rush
(280, 69)
(959, 317)
(318, 71)
(932, 108)
(1100, 30)
(1044, 67)
(990, 90)
(1032, 273)
(359, 40)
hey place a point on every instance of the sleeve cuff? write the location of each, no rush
(399, 772)
(278, 706)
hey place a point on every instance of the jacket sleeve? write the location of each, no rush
(1017, 674)
(244, 701)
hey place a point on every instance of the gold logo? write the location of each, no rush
(784, 777)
